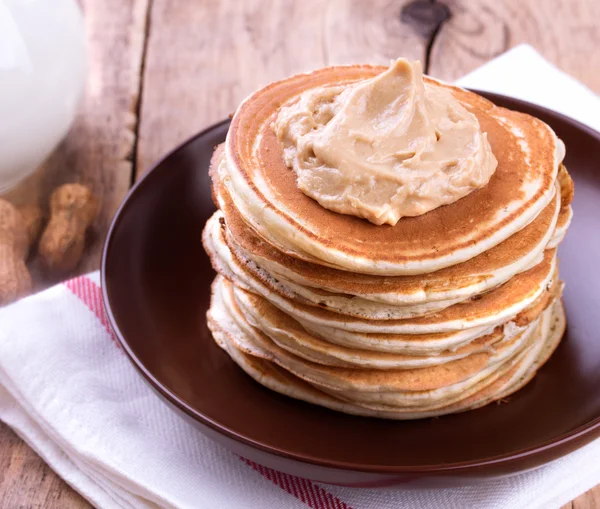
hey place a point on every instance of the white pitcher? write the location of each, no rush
(42, 74)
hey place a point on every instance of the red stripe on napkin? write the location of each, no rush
(91, 295)
(307, 491)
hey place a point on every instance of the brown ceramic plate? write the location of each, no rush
(156, 279)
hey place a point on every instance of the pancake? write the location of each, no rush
(479, 274)
(567, 187)
(289, 334)
(558, 324)
(431, 343)
(567, 190)
(365, 380)
(501, 361)
(408, 344)
(275, 378)
(562, 225)
(391, 386)
(513, 375)
(264, 190)
(489, 309)
(441, 313)
(352, 305)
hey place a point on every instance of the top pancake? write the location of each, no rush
(264, 190)
(517, 253)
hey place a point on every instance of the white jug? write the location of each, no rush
(42, 74)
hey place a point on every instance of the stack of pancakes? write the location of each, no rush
(440, 313)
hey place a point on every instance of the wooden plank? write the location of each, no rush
(567, 33)
(219, 53)
(359, 32)
(97, 152)
(589, 500)
(98, 149)
(27, 482)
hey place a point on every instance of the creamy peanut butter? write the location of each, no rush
(386, 147)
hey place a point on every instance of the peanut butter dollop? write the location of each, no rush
(385, 147)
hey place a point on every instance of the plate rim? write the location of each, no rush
(588, 429)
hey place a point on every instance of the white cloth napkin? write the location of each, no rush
(70, 392)
(524, 74)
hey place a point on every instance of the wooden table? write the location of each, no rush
(162, 70)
